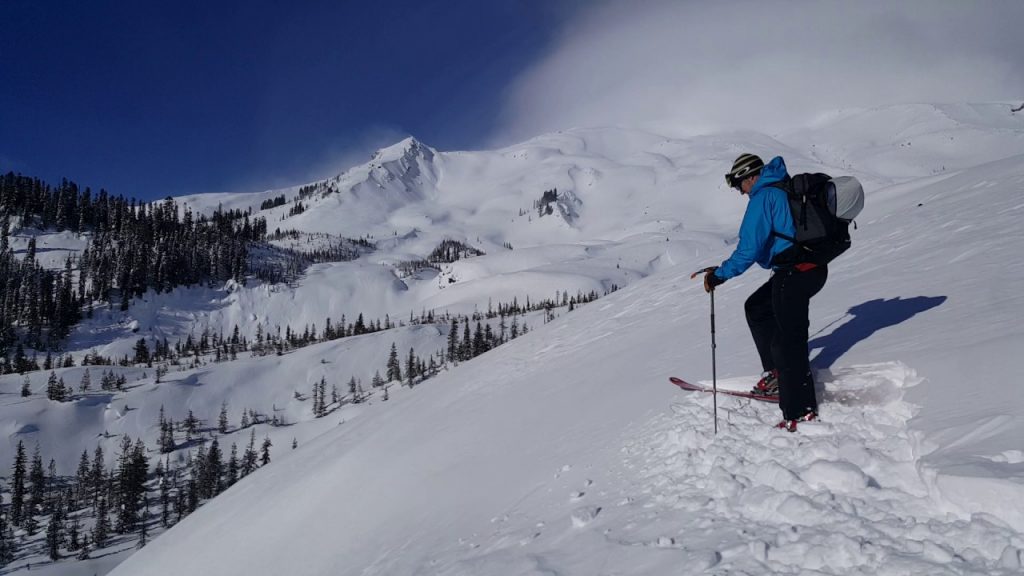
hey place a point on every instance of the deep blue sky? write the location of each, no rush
(149, 99)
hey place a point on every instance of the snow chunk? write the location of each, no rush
(583, 516)
(836, 476)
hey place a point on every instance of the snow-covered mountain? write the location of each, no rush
(566, 450)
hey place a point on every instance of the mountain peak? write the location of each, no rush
(405, 148)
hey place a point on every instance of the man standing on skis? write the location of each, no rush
(777, 312)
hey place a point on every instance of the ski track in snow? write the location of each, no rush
(846, 495)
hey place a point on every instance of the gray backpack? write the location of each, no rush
(823, 208)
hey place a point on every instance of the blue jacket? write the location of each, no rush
(767, 210)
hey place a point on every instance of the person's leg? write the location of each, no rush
(791, 297)
(761, 320)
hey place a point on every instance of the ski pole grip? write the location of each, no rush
(702, 271)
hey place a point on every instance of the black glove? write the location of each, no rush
(711, 279)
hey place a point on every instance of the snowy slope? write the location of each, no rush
(567, 452)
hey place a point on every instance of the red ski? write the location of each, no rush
(700, 388)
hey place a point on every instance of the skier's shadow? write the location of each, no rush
(868, 318)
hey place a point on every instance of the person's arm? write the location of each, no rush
(755, 232)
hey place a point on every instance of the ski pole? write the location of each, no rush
(714, 374)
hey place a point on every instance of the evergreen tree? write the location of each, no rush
(222, 426)
(353, 390)
(38, 479)
(97, 477)
(191, 426)
(265, 451)
(410, 368)
(141, 350)
(322, 393)
(18, 485)
(54, 536)
(165, 498)
(86, 381)
(74, 534)
(453, 341)
(394, 369)
(467, 344)
(166, 440)
(82, 480)
(52, 390)
(478, 341)
(26, 391)
(7, 546)
(83, 553)
(211, 483)
(249, 457)
(232, 473)
(101, 529)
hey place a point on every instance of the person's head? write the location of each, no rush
(745, 171)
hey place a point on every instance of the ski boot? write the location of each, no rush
(790, 425)
(768, 385)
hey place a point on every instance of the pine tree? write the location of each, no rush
(7, 546)
(101, 530)
(232, 474)
(74, 533)
(211, 484)
(265, 451)
(467, 343)
(322, 390)
(377, 381)
(394, 369)
(478, 340)
(82, 480)
(38, 479)
(26, 391)
(97, 477)
(54, 536)
(453, 341)
(18, 485)
(166, 440)
(141, 350)
(410, 368)
(191, 426)
(353, 390)
(52, 392)
(86, 381)
(249, 457)
(223, 421)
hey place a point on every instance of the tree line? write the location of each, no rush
(132, 247)
(84, 512)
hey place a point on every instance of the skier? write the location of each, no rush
(777, 312)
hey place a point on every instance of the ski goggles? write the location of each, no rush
(735, 179)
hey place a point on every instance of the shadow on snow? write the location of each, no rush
(868, 318)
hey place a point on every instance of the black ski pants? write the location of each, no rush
(777, 314)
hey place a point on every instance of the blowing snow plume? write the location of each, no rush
(681, 68)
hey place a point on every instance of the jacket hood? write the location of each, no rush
(773, 172)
